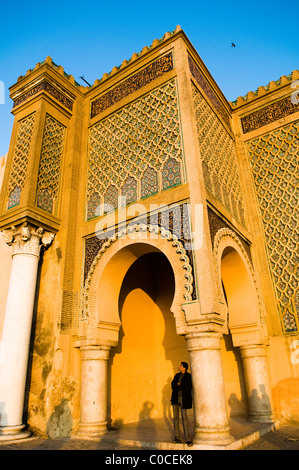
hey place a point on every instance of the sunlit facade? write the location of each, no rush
(147, 221)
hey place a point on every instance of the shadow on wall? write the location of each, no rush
(259, 405)
(145, 415)
(236, 407)
(234, 379)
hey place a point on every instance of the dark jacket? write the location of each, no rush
(186, 387)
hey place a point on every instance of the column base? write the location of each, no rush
(261, 418)
(216, 437)
(12, 433)
(92, 429)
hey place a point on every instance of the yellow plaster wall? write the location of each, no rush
(283, 360)
(149, 350)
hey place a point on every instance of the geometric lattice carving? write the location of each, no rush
(20, 160)
(93, 205)
(274, 162)
(289, 321)
(111, 198)
(149, 182)
(171, 173)
(50, 163)
(144, 133)
(220, 170)
(129, 190)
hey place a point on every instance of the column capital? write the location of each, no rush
(199, 340)
(89, 353)
(253, 350)
(27, 239)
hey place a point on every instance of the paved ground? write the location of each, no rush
(155, 435)
(65, 444)
(285, 438)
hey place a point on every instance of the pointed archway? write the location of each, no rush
(104, 309)
(149, 351)
(113, 261)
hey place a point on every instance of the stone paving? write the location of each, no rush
(156, 434)
(284, 438)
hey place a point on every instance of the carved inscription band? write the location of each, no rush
(45, 86)
(156, 69)
(208, 91)
(269, 114)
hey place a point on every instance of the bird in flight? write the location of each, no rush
(233, 44)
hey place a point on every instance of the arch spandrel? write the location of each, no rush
(100, 320)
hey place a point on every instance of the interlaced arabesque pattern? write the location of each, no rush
(20, 160)
(274, 162)
(221, 174)
(136, 151)
(50, 163)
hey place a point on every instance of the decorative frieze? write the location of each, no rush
(44, 86)
(202, 82)
(135, 82)
(268, 114)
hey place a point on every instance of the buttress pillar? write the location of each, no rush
(93, 400)
(26, 242)
(211, 419)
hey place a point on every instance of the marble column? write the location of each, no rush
(257, 382)
(26, 242)
(211, 419)
(93, 400)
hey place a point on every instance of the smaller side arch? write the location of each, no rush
(236, 277)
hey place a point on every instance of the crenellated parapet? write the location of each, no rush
(265, 90)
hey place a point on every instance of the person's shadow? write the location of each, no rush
(145, 421)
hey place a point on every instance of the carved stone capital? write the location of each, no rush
(95, 353)
(27, 239)
(198, 341)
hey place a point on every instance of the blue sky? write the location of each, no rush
(91, 38)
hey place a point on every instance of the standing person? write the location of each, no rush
(181, 399)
